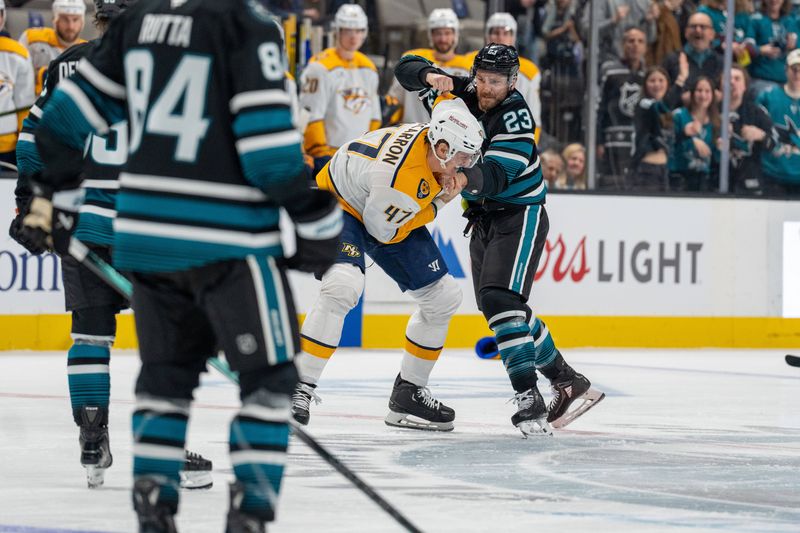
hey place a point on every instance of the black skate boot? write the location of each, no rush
(568, 386)
(95, 449)
(411, 406)
(301, 402)
(153, 517)
(196, 473)
(239, 522)
(531, 415)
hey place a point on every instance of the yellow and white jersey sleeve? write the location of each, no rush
(383, 180)
(413, 109)
(528, 84)
(16, 90)
(341, 98)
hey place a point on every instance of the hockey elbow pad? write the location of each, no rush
(318, 228)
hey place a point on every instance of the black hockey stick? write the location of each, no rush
(793, 360)
(122, 285)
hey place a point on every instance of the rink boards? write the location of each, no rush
(616, 271)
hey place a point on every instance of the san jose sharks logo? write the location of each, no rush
(356, 99)
(788, 138)
(423, 190)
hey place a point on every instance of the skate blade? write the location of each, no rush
(588, 399)
(95, 476)
(536, 428)
(402, 420)
(197, 479)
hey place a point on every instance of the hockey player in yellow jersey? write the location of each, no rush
(16, 90)
(443, 27)
(390, 183)
(339, 88)
(501, 28)
(46, 44)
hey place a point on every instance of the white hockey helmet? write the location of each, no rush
(501, 20)
(443, 18)
(452, 123)
(69, 7)
(350, 17)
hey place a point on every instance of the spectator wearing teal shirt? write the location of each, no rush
(696, 129)
(715, 9)
(771, 35)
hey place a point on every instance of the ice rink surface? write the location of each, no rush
(686, 440)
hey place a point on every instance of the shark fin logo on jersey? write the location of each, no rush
(423, 190)
(350, 249)
(356, 99)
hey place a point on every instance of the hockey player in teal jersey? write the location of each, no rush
(212, 156)
(508, 222)
(92, 303)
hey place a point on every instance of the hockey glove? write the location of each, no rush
(318, 227)
(15, 230)
(51, 219)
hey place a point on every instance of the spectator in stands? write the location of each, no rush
(46, 44)
(574, 176)
(618, 15)
(552, 167)
(696, 129)
(752, 134)
(771, 35)
(696, 59)
(562, 81)
(501, 28)
(782, 164)
(16, 90)
(715, 9)
(620, 90)
(668, 32)
(443, 29)
(653, 135)
(741, 23)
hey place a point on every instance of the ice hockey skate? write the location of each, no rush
(413, 407)
(531, 415)
(196, 473)
(573, 395)
(239, 522)
(301, 402)
(95, 449)
(153, 517)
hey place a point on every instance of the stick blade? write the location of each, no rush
(793, 360)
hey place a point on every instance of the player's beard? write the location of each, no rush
(440, 49)
(68, 38)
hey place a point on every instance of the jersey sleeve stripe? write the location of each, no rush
(512, 136)
(241, 193)
(199, 234)
(262, 121)
(36, 111)
(259, 98)
(100, 81)
(26, 137)
(506, 155)
(272, 140)
(525, 148)
(84, 104)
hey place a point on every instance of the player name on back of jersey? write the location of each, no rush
(395, 149)
(66, 69)
(173, 30)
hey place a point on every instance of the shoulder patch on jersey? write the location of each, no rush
(424, 189)
(41, 35)
(260, 11)
(7, 44)
(350, 249)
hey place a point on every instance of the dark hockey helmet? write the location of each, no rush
(497, 58)
(108, 9)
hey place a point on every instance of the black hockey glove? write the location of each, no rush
(318, 227)
(51, 219)
(15, 230)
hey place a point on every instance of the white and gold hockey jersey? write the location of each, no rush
(43, 46)
(411, 108)
(16, 90)
(529, 85)
(383, 179)
(342, 100)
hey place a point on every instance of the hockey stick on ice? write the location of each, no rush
(793, 360)
(122, 285)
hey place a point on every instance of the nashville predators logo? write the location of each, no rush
(356, 99)
(423, 190)
(350, 249)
